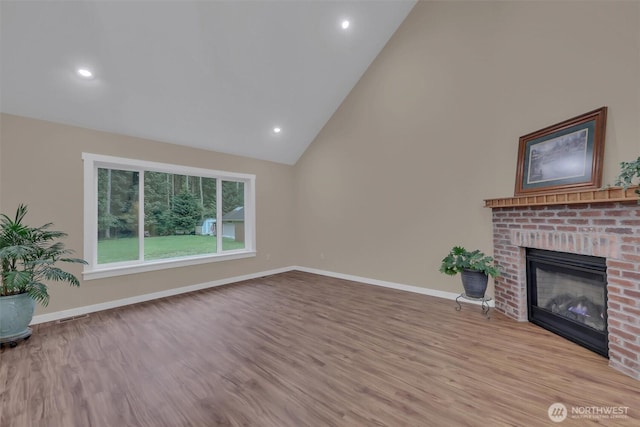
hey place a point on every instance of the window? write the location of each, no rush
(143, 216)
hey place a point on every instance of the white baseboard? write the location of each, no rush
(73, 312)
(393, 285)
(80, 311)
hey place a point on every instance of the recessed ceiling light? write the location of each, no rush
(277, 130)
(345, 24)
(85, 73)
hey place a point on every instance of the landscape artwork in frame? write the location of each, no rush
(564, 157)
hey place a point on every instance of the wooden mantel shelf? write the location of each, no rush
(608, 195)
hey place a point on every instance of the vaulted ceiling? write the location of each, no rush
(218, 75)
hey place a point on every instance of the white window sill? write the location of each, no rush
(121, 270)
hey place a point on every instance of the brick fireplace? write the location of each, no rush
(596, 223)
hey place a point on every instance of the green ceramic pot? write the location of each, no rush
(16, 312)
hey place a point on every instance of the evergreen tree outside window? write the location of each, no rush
(118, 213)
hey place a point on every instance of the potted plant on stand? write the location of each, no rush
(474, 267)
(28, 258)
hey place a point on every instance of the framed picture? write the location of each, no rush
(564, 157)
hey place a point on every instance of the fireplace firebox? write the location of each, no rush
(567, 295)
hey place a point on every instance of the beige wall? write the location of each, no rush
(1, 175)
(41, 166)
(399, 174)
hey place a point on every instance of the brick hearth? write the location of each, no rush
(610, 230)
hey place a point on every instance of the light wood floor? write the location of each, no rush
(297, 349)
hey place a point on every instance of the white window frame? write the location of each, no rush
(92, 162)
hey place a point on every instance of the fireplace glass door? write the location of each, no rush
(567, 295)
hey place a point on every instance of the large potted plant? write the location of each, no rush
(474, 267)
(28, 258)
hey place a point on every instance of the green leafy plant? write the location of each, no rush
(629, 175)
(460, 259)
(28, 257)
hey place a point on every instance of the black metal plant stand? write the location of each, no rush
(13, 340)
(484, 303)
